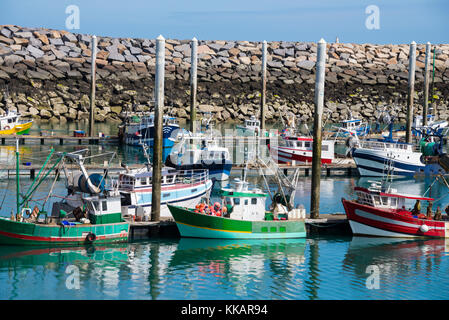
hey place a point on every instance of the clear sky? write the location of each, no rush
(397, 21)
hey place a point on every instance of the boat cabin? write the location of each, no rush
(104, 209)
(9, 120)
(253, 123)
(143, 179)
(385, 199)
(148, 119)
(245, 205)
(304, 143)
(352, 124)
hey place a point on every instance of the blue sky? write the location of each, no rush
(400, 21)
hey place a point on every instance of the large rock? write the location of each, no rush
(306, 64)
(35, 52)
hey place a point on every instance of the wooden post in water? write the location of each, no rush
(264, 87)
(92, 85)
(193, 82)
(426, 84)
(157, 141)
(317, 127)
(411, 91)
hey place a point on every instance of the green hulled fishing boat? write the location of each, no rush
(242, 214)
(91, 213)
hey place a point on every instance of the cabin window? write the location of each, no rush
(143, 181)
(95, 205)
(104, 206)
(10, 120)
(237, 201)
(325, 148)
(246, 202)
(307, 144)
(393, 202)
(126, 199)
(253, 200)
(377, 200)
(385, 201)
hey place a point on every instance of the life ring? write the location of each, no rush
(6, 128)
(91, 237)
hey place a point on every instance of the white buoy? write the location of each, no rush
(424, 228)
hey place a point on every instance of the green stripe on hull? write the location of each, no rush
(22, 233)
(26, 131)
(191, 224)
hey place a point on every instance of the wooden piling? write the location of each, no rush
(317, 128)
(193, 82)
(426, 84)
(411, 91)
(157, 141)
(92, 86)
(264, 86)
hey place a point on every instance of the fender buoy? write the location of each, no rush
(424, 228)
(91, 237)
(6, 128)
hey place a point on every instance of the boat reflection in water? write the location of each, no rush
(406, 268)
(240, 267)
(44, 273)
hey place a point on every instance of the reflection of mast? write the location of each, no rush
(313, 282)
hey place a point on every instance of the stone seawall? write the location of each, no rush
(45, 74)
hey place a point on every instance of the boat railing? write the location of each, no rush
(379, 145)
(193, 176)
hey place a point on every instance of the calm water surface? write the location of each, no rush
(314, 268)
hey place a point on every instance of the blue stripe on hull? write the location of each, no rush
(382, 171)
(409, 169)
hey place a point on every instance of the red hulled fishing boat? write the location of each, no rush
(380, 211)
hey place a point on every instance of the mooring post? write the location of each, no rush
(317, 124)
(411, 91)
(264, 87)
(157, 141)
(193, 82)
(92, 85)
(426, 84)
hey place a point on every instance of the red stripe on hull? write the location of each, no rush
(57, 239)
(297, 157)
(397, 220)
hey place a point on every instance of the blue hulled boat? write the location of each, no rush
(138, 129)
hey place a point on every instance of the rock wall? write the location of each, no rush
(46, 74)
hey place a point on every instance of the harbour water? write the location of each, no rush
(314, 268)
(331, 267)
